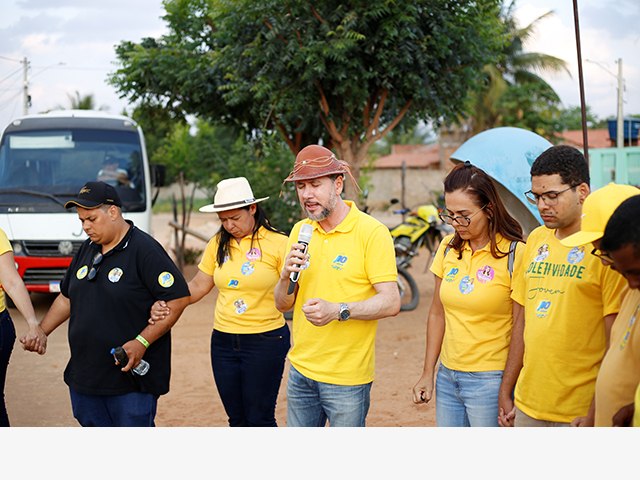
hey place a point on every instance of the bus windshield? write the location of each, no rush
(41, 169)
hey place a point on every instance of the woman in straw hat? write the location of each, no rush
(250, 338)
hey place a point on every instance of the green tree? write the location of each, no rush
(571, 119)
(341, 73)
(516, 75)
(81, 102)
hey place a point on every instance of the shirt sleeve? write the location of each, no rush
(437, 266)
(162, 277)
(380, 257)
(208, 263)
(613, 287)
(517, 266)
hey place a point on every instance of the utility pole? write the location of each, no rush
(26, 99)
(620, 127)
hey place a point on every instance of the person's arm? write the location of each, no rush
(13, 285)
(293, 263)
(57, 314)
(624, 416)
(506, 407)
(135, 348)
(385, 303)
(589, 419)
(199, 286)
(423, 389)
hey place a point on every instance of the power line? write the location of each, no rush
(11, 74)
(10, 59)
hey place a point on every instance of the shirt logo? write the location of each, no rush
(115, 274)
(466, 285)
(575, 255)
(339, 262)
(485, 274)
(82, 272)
(165, 279)
(254, 254)
(543, 252)
(247, 268)
(450, 277)
(233, 283)
(543, 308)
(241, 307)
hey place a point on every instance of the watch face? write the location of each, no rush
(344, 312)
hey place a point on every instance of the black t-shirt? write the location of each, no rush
(113, 308)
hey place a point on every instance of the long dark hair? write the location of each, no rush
(225, 237)
(480, 186)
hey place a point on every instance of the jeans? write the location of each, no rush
(247, 369)
(134, 409)
(467, 399)
(311, 403)
(7, 339)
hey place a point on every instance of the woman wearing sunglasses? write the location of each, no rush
(471, 315)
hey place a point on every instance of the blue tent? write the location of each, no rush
(506, 154)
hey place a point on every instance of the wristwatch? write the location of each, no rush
(345, 313)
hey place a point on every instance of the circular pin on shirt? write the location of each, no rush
(82, 272)
(165, 279)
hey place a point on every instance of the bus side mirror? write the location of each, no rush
(158, 174)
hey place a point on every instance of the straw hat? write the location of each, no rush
(232, 193)
(596, 211)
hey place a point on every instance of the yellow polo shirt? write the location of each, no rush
(636, 411)
(620, 370)
(566, 292)
(476, 296)
(5, 246)
(344, 265)
(246, 282)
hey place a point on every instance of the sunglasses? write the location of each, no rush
(95, 266)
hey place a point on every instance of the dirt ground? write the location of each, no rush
(37, 396)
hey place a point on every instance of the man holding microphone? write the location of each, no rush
(345, 282)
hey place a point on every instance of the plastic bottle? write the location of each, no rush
(121, 357)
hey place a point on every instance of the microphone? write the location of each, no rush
(304, 237)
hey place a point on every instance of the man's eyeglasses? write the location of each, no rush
(95, 266)
(463, 221)
(603, 256)
(549, 198)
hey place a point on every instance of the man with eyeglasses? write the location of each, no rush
(570, 301)
(619, 373)
(107, 293)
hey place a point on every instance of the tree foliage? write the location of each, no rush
(342, 73)
(513, 92)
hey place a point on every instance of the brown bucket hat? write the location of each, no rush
(315, 161)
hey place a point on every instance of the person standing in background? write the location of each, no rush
(250, 339)
(570, 302)
(471, 315)
(12, 285)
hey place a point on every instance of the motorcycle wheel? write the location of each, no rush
(409, 294)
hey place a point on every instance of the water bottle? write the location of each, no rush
(121, 357)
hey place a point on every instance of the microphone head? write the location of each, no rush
(305, 233)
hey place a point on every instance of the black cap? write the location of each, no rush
(94, 194)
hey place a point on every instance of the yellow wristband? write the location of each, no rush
(143, 341)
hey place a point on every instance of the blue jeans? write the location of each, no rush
(7, 339)
(311, 403)
(247, 369)
(467, 399)
(134, 409)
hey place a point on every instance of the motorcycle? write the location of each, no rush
(421, 228)
(407, 286)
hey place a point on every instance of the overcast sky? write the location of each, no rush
(69, 45)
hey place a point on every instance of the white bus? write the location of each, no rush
(44, 161)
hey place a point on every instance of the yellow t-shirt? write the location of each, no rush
(5, 246)
(344, 265)
(566, 292)
(620, 370)
(636, 411)
(246, 282)
(475, 293)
